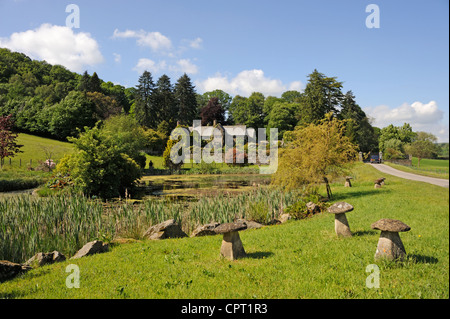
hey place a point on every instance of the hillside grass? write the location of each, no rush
(37, 148)
(17, 175)
(298, 259)
(428, 167)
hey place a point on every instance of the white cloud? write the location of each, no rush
(184, 66)
(196, 44)
(422, 117)
(417, 112)
(154, 40)
(56, 45)
(117, 57)
(149, 65)
(247, 82)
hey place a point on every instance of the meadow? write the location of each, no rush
(428, 167)
(19, 172)
(298, 259)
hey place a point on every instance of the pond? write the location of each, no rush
(193, 186)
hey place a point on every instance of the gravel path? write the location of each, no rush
(392, 171)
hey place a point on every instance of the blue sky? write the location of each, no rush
(398, 72)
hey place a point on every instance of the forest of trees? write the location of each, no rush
(52, 101)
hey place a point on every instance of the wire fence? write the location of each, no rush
(29, 163)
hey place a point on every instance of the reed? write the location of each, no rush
(29, 225)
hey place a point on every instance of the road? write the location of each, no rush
(392, 171)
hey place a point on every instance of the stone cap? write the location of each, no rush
(229, 227)
(348, 177)
(392, 225)
(340, 207)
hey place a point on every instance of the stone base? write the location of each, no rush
(232, 247)
(341, 225)
(390, 246)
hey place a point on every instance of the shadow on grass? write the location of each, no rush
(342, 196)
(260, 254)
(364, 233)
(421, 259)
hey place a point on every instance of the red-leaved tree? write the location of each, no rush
(212, 111)
(8, 145)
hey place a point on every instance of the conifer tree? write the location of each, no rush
(144, 106)
(165, 103)
(95, 84)
(186, 100)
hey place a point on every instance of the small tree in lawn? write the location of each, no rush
(8, 145)
(423, 147)
(314, 154)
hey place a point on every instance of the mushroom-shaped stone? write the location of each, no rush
(390, 245)
(379, 182)
(340, 220)
(347, 181)
(232, 247)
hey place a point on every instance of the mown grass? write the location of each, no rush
(299, 259)
(428, 167)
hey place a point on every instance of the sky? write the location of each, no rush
(393, 56)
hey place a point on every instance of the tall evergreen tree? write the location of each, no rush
(322, 95)
(186, 100)
(95, 83)
(144, 104)
(84, 83)
(165, 102)
(357, 127)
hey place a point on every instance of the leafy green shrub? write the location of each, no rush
(167, 161)
(9, 185)
(299, 210)
(102, 164)
(205, 168)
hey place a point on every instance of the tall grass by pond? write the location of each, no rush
(65, 223)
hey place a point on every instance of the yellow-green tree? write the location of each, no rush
(314, 154)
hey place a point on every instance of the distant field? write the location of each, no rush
(428, 167)
(36, 149)
(16, 176)
(431, 163)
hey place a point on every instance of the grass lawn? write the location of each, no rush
(298, 259)
(428, 167)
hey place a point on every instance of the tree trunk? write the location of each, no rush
(329, 193)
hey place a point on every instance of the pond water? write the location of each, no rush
(193, 186)
(186, 187)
